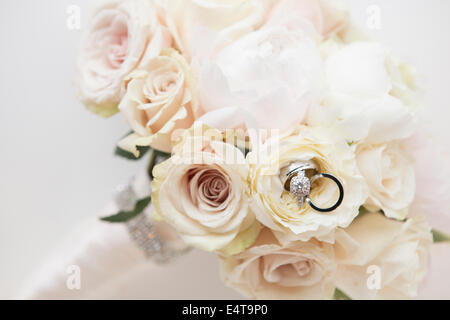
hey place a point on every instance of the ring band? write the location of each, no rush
(341, 193)
(294, 168)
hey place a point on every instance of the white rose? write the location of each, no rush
(278, 209)
(269, 270)
(397, 253)
(191, 21)
(389, 172)
(159, 100)
(122, 36)
(202, 192)
(319, 18)
(370, 96)
(266, 80)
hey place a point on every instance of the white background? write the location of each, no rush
(56, 164)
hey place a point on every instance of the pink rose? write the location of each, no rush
(122, 36)
(269, 270)
(159, 100)
(201, 191)
(432, 169)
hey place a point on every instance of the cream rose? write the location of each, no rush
(277, 209)
(370, 97)
(202, 192)
(389, 172)
(375, 246)
(269, 270)
(122, 36)
(159, 100)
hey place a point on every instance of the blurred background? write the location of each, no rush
(56, 163)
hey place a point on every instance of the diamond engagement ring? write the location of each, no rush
(298, 177)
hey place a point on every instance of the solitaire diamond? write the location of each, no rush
(300, 186)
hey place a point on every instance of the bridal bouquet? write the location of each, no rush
(278, 136)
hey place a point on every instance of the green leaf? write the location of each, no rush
(340, 295)
(124, 216)
(439, 236)
(243, 240)
(128, 155)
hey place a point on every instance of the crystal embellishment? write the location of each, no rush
(145, 232)
(147, 238)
